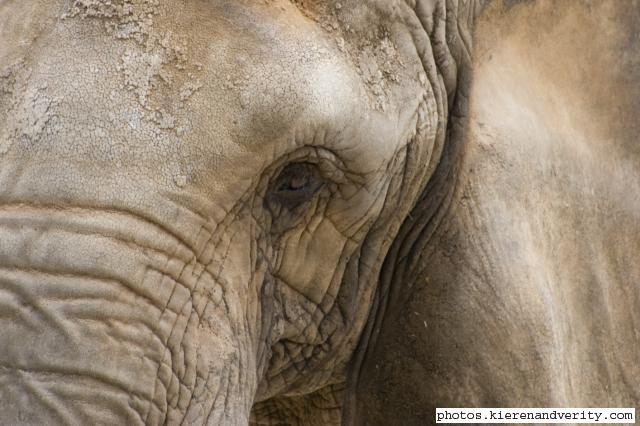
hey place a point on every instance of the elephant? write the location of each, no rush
(316, 212)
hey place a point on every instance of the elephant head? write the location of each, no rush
(304, 212)
(197, 198)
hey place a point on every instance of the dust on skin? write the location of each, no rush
(32, 113)
(159, 63)
(372, 52)
(155, 69)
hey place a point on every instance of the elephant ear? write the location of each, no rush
(433, 36)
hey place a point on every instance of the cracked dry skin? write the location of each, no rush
(196, 201)
(275, 212)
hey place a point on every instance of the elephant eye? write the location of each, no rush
(296, 184)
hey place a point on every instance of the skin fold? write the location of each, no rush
(233, 212)
(196, 201)
(526, 294)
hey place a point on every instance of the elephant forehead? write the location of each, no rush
(213, 70)
(267, 75)
(209, 94)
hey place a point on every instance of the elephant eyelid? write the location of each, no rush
(296, 184)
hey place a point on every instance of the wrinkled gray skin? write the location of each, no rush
(524, 289)
(302, 212)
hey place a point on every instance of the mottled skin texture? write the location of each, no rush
(303, 212)
(159, 261)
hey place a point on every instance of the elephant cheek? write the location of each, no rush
(96, 326)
